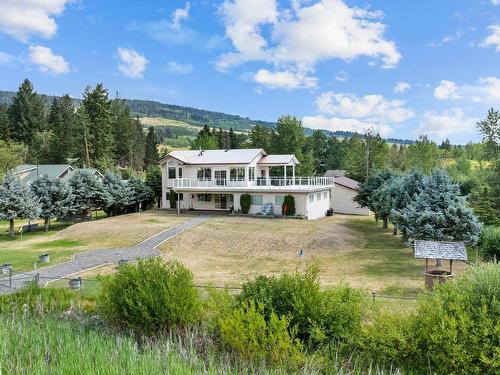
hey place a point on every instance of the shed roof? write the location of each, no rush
(439, 250)
(335, 173)
(347, 182)
(29, 172)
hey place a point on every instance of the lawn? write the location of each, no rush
(348, 249)
(119, 231)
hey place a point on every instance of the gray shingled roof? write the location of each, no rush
(439, 250)
(347, 182)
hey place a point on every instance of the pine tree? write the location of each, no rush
(138, 147)
(143, 194)
(4, 123)
(153, 180)
(26, 114)
(16, 202)
(88, 192)
(151, 152)
(233, 139)
(54, 196)
(98, 109)
(119, 194)
(62, 123)
(83, 140)
(439, 213)
(123, 128)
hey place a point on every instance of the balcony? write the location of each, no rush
(260, 184)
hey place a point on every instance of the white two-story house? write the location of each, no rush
(216, 179)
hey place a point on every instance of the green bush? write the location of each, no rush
(330, 315)
(457, 326)
(248, 333)
(489, 243)
(289, 203)
(172, 197)
(245, 201)
(149, 297)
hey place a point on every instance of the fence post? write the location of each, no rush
(10, 278)
(373, 296)
(37, 278)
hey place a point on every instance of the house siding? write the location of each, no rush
(343, 202)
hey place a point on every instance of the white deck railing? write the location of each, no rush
(260, 183)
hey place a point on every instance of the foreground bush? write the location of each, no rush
(247, 332)
(330, 315)
(149, 297)
(457, 326)
(489, 243)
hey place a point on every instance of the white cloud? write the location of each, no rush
(47, 61)
(174, 67)
(495, 2)
(22, 18)
(132, 63)
(447, 90)
(452, 124)
(284, 80)
(493, 40)
(342, 76)
(296, 39)
(372, 108)
(6, 58)
(401, 87)
(180, 15)
(349, 124)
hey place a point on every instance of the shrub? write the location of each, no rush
(253, 337)
(289, 203)
(245, 202)
(172, 197)
(489, 243)
(149, 297)
(318, 316)
(456, 327)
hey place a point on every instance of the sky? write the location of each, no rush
(402, 68)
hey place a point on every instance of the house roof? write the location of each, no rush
(439, 250)
(347, 182)
(236, 156)
(29, 172)
(335, 173)
(278, 160)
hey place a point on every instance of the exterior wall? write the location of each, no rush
(318, 207)
(343, 202)
(300, 207)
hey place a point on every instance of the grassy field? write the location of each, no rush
(120, 231)
(354, 250)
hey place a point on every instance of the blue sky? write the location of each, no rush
(403, 68)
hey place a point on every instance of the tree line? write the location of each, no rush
(100, 133)
(48, 198)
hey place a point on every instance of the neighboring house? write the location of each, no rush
(345, 190)
(335, 173)
(216, 179)
(29, 172)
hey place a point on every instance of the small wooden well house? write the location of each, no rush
(439, 250)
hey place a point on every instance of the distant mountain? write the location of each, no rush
(195, 116)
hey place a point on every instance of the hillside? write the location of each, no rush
(162, 114)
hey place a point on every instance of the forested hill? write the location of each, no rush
(194, 116)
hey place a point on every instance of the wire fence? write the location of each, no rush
(13, 281)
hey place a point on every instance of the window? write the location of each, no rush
(181, 196)
(318, 196)
(171, 172)
(311, 198)
(279, 199)
(179, 173)
(251, 173)
(325, 195)
(205, 174)
(237, 174)
(204, 197)
(256, 199)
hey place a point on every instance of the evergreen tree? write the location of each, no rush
(153, 180)
(205, 140)
(98, 109)
(62, 123)
(261, 137)
(490, 129)
(88, 192)
(233, 139)
(123, 129)
(118, 193)
(139, 146)
(4, 123)
(439, 213)
(423, 155)
(142, 193)
(40, 149)
(306, 166)
(26, 114)
(16, 202)
(54, 196)
(82, 137)
(151, 152)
